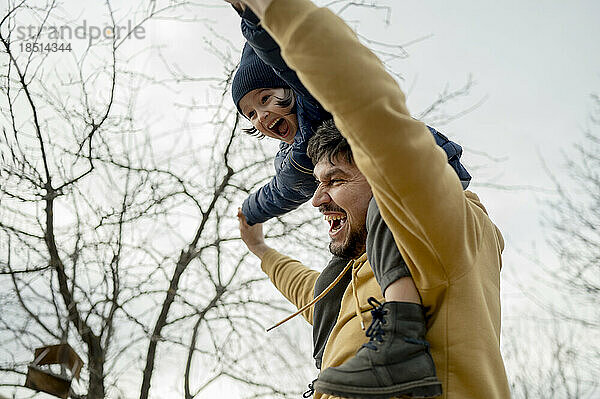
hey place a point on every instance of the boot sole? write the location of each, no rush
(429, 387)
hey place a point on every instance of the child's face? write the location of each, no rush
(261, 107)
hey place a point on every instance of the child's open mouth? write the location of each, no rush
(336, 223)
(280, 127)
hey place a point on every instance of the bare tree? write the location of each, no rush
(117, 221)
(117, 238)
(573, 218)
(554, 350)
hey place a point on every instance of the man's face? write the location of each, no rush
(343, 198)
(261, 108)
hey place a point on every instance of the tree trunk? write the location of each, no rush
(96, 370)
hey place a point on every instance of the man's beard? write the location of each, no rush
(353, 246)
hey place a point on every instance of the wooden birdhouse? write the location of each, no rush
(41, 376)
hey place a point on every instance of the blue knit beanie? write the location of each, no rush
(253, 74)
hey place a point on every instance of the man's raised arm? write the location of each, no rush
(419, 195)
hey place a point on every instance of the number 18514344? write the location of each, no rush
(38, 47)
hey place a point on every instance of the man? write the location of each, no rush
(444, 234)
(344, 198)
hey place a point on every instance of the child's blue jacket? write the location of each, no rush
(294, 183)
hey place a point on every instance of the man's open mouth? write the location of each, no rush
(280, 127)
(336, 223)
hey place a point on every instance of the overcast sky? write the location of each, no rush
(537, 63)
(534, 62)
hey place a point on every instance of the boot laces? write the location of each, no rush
(375, 331)
(311, 390)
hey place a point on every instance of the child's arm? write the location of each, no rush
(292, 185)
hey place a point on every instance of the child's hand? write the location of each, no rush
(252, 236)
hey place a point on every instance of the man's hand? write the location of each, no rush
(258, 6)
(252, 236)
(238, 5)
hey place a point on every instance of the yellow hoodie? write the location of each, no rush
(449, 243)
(296, 282)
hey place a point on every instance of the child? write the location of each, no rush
(280, 109)
(273, 99)
(278, 106)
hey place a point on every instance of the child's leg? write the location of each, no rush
(402, 290)
(396, 361)
(388, 266)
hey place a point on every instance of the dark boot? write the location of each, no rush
(395, 362)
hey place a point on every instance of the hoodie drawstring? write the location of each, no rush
(356, 301)
(316, 299)
(359, 262)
